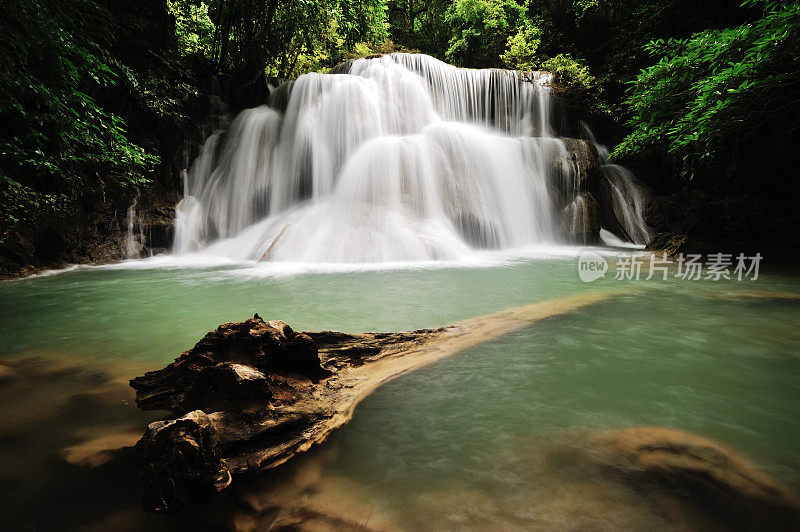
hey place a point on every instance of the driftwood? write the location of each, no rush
(273, 243)
(251, 395)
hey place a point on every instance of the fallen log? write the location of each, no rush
(251, 395)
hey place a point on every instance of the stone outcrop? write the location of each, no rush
(603, 192)
(707, 473)
(90, 231)
(249, 397)
(583, 156)
(674, 244)
(619, 194)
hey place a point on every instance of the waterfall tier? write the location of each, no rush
(396, 158)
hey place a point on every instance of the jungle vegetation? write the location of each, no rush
(93, 93)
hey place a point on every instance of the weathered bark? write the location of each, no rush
(229, 365)
(252, 395)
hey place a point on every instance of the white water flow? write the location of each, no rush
(628, 196)
(397, 158)
(134, 242)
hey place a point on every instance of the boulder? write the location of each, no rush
(674, 244)
(705, 472)
(670, 243)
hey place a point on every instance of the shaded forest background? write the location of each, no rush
(99, 97)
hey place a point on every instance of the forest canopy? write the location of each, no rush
(681, 81)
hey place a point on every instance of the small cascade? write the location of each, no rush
(134, 241)
(629, 200)
(191, 227)
(580, 220)
(628, 196)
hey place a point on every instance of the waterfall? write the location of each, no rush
(628, 196)
(396, 158)
(629, 199)
(134, 242)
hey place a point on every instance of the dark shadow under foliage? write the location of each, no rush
(93, 101)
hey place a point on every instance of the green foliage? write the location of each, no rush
(420, 25)
(63, 132)
(710, 93)
(21, 204)
(483, 29)
(351, 23)
(522, 48)
(193, 26)
(569, 73)
(583, 6)
(286, 38)
(361, 21)
(369, 49)
(57, 134)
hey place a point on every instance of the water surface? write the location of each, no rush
(464, 443)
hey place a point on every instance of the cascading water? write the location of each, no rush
(397, 158)
(134, 241)
(628, 196)
(629, 199)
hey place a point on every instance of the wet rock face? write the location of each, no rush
(580, 220)
(229, 366)
(575, 168)
(713, 477)
(476, 231)
(585, 159)
(92, 230)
